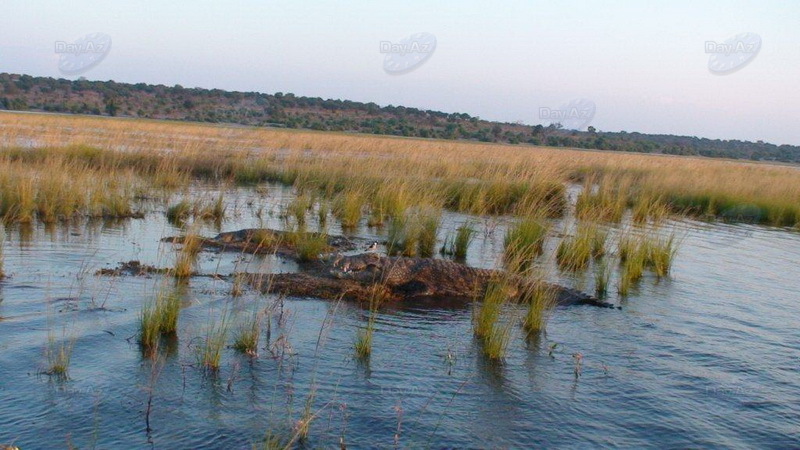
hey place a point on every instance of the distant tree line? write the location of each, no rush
(24, 92)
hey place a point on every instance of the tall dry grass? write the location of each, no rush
(390, 172)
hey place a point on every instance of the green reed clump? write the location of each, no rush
(309, 246)
(414, 232)
(347, 207)
(59, 355)
(168, 308)
(541, 300)
(237, 285)
(299, 207)
(604, 201)
(186, 259)
(602, 278)
(377, 213)
(264, 238)
(178, 213)
(458, 246)
(274, 441)
(149, 326)
(247, 335)
(2, 253)
(322, 215)
(633, 255)
(495, 344)
(628, 277)
(649, 207)
(648, 250)
(574, 252)
(158, 317)
(209, 354)
(214, 210)
(182, 211)
(486, 316)
(363, 342)
(427, 229)
(493, 335)
(524, 241)
(403, 237)
(661, 251)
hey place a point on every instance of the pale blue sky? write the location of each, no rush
(642, 63)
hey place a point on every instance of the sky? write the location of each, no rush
(643, 65)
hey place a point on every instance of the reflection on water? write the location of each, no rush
(708, 357)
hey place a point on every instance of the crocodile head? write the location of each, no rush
(364, 266)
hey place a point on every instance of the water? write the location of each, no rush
(707, 358)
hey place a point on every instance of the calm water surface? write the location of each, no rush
(707, 358)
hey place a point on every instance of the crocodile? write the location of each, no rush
(265, 241)
(360, 277)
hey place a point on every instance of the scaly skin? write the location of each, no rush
(360, 276)
(265, 241)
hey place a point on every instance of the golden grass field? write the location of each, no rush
(385, 173)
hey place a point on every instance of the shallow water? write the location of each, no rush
(707, 358)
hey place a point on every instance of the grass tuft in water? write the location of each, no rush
(661, 253)
(605, 200)
(602, 278)
(363, 342)
(524, 241)
(428, 229)
(458, 246)
(541, 300)
(247, 335)
(158, 317)
(299, 207)
(309, 246)
(574, 252)
(493, 335)
(187, 255)
(178, 213)
(347, 207)
(2, 251)
(149, 326)
(59, 355)
(209, 355)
